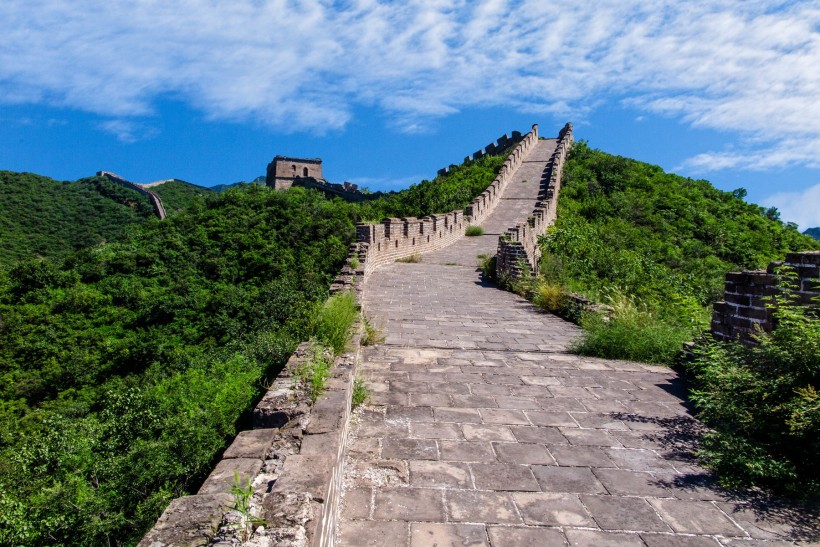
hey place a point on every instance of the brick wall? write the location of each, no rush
(518, 247)
(396, 238)
(747, 295)
(495, 148)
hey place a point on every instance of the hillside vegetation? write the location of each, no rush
(813, 232)
(126, 367)
(43, 217)
(177, 195)
(655, 246)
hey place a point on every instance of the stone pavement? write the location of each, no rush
(483, 430)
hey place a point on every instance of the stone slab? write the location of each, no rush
(225, 473)
(251, 444)
(190, 521)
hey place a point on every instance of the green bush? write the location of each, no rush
(630, 331)
(763, 405)
(335, 320)
(474, 230)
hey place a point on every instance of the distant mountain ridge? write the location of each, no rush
(813, 232)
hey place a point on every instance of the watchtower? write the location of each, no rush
(282, 171)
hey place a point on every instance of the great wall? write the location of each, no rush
(156, 202)
(482, 428)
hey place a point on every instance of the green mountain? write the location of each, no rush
(655, 245)
(813, 232)
(40, 216)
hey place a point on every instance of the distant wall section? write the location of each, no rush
(518, 248)
(395, 238)
(156, 203)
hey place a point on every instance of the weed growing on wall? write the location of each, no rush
(361, 393)
(372, 334)
(335, 319)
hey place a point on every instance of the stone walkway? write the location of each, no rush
(483, 430)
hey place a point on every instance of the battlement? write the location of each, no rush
(748, 298)
(495, 148)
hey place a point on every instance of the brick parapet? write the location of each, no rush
(495, 148)
(518, 247)
(156, 202)
(396, 238)
(747, 307)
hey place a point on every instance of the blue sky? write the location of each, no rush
(388, 92)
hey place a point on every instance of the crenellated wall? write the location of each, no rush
(518, 248)
(156, 203)
(495, 148)
(747, 296)
(396, 238)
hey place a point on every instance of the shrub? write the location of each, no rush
(474, 230)
(414, 258)
(335, 319)
(372, 334)
(487, 265)
(631, 332)
(763, 405)
(550, 297)
(360, 392)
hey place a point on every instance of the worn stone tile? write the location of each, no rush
(409, 449)
(548, 418)
(525, 453)
(504, 476)
(253, 443)
(503, 416)
(466, 451)
(378, 472)
(695, 517)
(442, 535)
(695, 486)
(560, 404)
(409, 413)
(389, 398)
(479, 506)
(552, 509)
(631, 483)
(522, 403)
(567, 479)
(519, 536)
(637, 439)
(623, 513)
(436, 474)
(638, 460)
(575, 392)
(380, 428)
(580, 456)
(430, 399)
(491, 390)
(544, 435)
(458, 415)
(589, 437)
(600, 421)
(536, 392)
(674, 540)
(480, 432)
(771, 523)
(374, 534)
(603, 406)
(436, 430)
(364, 448)
(592, 538)
(412, 504)
(356, 503)
(541, 381)
(406, 386)
(449, 388)
(474, 401)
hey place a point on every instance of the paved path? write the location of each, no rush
(483, 430)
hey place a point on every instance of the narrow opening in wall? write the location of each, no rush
(414, 241)
(379, 246)
(428, 239)
(397, 244)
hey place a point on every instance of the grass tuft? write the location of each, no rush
(414, 258)
(474, 231)
(361, 393)
(335, 319)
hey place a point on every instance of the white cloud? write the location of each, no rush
(745, 67)
(802, 208)
(128, 131)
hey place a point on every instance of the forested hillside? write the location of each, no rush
(126, 367)
(43, 217)
(655, 246)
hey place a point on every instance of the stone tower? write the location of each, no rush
(282, 171)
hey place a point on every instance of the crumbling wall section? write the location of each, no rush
(518, 249)
(746, 308)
